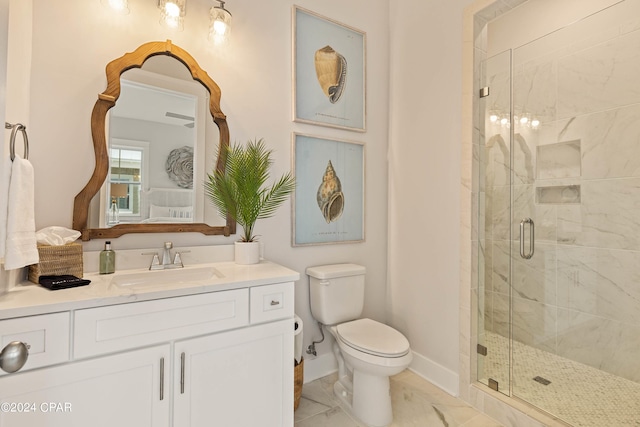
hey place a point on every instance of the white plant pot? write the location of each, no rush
(247, 253)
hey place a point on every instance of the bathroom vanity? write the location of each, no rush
(207, 345)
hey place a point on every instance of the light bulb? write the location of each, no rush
(535, 123)
(493, 118)
(219, 28)
(504, 121)
(172, 10)
(524, 120)
(118, 6)
(220, 24)
(172, 13)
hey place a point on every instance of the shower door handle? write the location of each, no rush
(532, 238)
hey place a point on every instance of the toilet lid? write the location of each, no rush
(373, 337)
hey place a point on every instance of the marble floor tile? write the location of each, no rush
(416, 403)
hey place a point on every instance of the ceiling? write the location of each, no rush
(150, 103)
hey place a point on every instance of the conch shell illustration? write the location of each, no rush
(330, 197)
(331, 69)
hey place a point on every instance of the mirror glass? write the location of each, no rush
(158, 143)
(161, 136)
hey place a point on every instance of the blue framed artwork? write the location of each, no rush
(329, 72)
(328, 203)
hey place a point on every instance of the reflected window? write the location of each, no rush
(127, 176)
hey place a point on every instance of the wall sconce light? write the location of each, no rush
(220, 25)
(172, 13)
(522, 120)
(118, 6)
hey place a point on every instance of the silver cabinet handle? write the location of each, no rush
(14, 356)
(274, 302)
(182, 373)
(532, 238)
(162, 378)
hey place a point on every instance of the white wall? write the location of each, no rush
(4, 146)
(254, 72)
(16, 30)
(71, 46)
(424, 182)
(4, 35)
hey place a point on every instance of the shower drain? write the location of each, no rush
(541, 380)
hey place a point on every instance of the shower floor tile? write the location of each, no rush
(577, 394)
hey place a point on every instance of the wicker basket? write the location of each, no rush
(298, 379)
(57, 260)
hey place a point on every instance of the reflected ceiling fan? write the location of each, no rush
(182, 117)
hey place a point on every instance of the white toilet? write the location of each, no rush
(368, 352)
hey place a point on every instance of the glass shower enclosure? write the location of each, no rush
(559, 221)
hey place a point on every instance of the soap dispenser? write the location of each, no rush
(107, 259)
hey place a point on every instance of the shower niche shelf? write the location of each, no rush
(562, 162)
(559, 160)
(558, 194)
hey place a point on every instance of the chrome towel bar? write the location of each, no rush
(12, 141)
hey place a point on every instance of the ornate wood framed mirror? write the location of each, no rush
(103, 152)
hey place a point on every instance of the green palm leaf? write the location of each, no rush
(239, 190)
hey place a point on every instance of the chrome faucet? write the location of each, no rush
(167, 263)
(166, 255)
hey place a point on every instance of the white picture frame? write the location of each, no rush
(326, 210)
(329, 72)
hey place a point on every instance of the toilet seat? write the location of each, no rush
(374, 338)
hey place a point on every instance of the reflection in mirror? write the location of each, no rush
(169, 114)
(128, 173)
(153, 147)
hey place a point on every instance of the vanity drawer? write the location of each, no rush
(46, 336)
(119, 327)
(271, 302)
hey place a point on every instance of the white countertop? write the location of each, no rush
(29, 299)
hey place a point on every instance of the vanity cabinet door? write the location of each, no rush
(241, 378)
(119, 390)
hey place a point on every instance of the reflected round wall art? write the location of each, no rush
(179, 166)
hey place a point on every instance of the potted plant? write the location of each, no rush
(239, 190)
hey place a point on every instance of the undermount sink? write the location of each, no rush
(167, 277)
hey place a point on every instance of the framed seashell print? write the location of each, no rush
(328, 202)
(329, 72)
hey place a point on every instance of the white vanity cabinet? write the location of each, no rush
(118, 390)
(210, 359)
(240, 378)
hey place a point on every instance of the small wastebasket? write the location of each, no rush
(298, 380)
(298, 363)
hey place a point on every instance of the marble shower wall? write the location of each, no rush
(578, 177)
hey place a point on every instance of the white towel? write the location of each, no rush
(5, 177)
(21, 249)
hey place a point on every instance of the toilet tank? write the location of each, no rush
(336, 292)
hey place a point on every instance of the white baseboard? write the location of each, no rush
(319, 367)
(435, 373)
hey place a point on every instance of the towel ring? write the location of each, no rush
(12, 141)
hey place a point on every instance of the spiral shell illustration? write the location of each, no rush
(331, 69)
(330, 197)
(179, 166)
